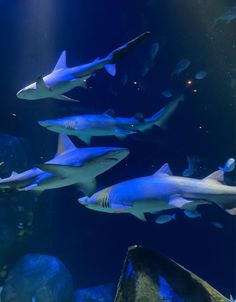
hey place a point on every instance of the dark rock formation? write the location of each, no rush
(42, 277)
(148, 276)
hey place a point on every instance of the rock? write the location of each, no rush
(148, 276)
(40, 276)
(102, 293)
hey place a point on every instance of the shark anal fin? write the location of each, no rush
(64, 98)
(140, 216)
(86, 139)
(61, 63)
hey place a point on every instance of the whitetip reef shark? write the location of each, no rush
(63, 79)
(70, 166)
(163, 191)
(86, 126)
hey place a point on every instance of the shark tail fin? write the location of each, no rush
(121, 51)
(161, 118)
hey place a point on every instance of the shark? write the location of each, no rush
(86, 126)
(63, 78)
(163, 191)
(69, 166)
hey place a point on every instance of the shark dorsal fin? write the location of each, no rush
(64, 144)
(215, 176)
(110, 112)
(139, 116)
(13, 173)
(165, 169)
(61, 63)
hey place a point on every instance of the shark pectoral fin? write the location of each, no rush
(179, 202)
(193, 204)
(64, 98)
(228, 206)
(139, 215)
(88, 187)
(40, 84)
(29, 188)
(111, 69)
(86, 139)
(62, 171)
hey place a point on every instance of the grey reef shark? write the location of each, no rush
(63, 79)
(163, 191)
(70, 166)
(86, 126)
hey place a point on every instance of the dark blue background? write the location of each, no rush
(92, 244)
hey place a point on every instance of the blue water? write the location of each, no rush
(93, 245)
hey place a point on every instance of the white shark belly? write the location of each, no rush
(151, 206)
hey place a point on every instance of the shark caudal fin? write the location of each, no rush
(121, 51)
(161, 118)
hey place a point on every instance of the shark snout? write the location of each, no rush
(20, 94)
(84, 201)
(46, 124)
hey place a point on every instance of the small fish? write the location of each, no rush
(124, 79)
(165, 218)
(154, 50)
(166, 94)
(229, 166)
(216, 224)
(200, 75)
(192, 214)
(145, 69)
(228, 16)
(181, 66)
(193, 162)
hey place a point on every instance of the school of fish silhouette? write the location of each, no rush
(150, 194)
